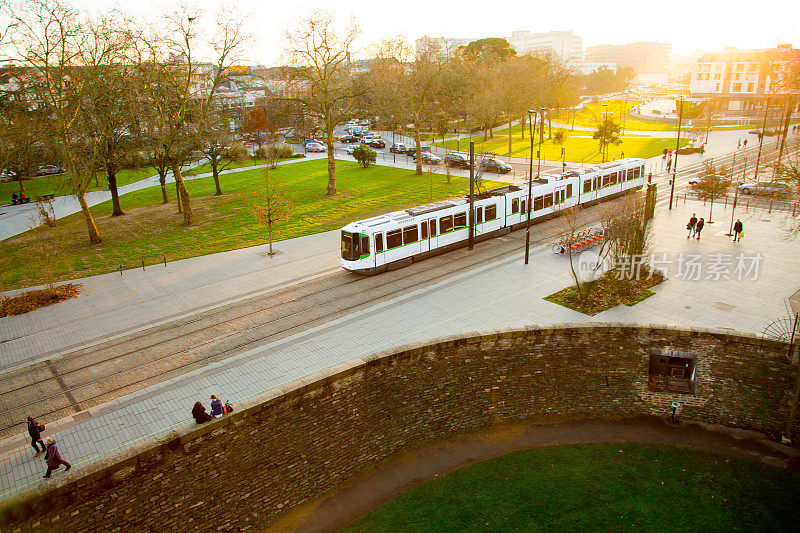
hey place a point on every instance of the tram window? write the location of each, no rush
(569, 191)
(410, 234)
(424, 229)
(606, 179)
(364, 245)
(548, 200)
(587, 186)
(524, 207)
(596, 183)
(394, 239)
(378, 243)
(461, 221)
(446, 224)
(614, 178)
(433, 227)
(515, 205)
(638, 171)
(538, 203)
(491, 212)
(479, 215)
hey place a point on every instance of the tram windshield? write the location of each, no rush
(350, 246)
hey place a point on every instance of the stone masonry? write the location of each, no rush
(294, 445)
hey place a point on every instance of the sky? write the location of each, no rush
(690, 26)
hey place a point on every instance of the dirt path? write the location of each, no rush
(360, 496)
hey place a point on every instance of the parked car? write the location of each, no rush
(47, 170)
(767, 188)
(398, 148)
(348, 139)
(350, 149)
(431, 159)
(412, 150)
(315, 147)
(376, 143)
(495, 165)
(7, 174)
(456, 161)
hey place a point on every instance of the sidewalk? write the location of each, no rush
(505, 293)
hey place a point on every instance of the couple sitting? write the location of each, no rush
(217, 410)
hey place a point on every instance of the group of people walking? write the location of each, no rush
(52, 456)
(217, 410)
(695, 226)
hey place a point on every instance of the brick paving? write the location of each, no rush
(505, 293)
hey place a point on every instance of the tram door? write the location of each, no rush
(429, 235)
(559, 195)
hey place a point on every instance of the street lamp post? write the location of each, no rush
(394, 154)
(675, 163)
(605, 121)
(531, 114)
(761, 139)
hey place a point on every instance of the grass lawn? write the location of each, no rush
(37, 186)
(598, 487)
(247, 162)
(151, 229)
(579, 146)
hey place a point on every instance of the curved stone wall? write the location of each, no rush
(299, 442)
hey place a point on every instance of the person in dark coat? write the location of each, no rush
(53, 458)
(36, 436)
(14, 198)
(699, 227)
(737, 230)
(692, 225)
(199, 413)
(216, 407)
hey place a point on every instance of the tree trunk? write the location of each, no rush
(21, 187)
(331, 161)
(162, 179)
(184, 195)
(112, 186)
(523, 126)
(509, 137)
(178, 196)
(419, 147)
(269, 230)
(215, 173)
(94, 235)
(549, 126)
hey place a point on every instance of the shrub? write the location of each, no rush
(365, 155)
(237, 152)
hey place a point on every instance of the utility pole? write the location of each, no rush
(677, 147)
(471, 193)
(531, 114)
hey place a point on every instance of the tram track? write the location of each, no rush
(68, 385)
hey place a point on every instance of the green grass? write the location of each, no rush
(247, 162)
(598, 487)
(150, 229)
(37, 186)
(579, 146)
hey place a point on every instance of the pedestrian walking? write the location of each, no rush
(53, 458)
(738, 230)
(744, 144)
(35, 431)
(740, 143)
(669, 164)
(699, 227)
(692, 225)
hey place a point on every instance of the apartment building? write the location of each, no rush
(562, 44)
(645, 58)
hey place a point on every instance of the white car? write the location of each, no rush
(350, 149)
(315, 147)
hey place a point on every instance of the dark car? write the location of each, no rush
(47, 170)
(495, 165)
(398, 148)
(456, 161)
(766, 188)
(431, 159)
(377, 143)
(412, 151)
(349, 139)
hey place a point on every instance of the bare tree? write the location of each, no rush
(275, 207)
(713, 183)
(320, 77)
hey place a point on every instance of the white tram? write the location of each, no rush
(395, 240)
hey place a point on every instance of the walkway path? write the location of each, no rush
(349, 502)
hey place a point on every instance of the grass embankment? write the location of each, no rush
(598, 487)
(607, 291)
(150, 229)
(246, 162)
(55, 184)
(579, 146)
